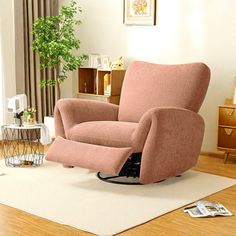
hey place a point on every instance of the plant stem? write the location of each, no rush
(58, 88)
(58, 91)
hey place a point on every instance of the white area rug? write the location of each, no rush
(77, 198)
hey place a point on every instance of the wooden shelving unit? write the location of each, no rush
(227, 129)
(91, 84)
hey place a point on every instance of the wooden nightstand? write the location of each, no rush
(227, 130)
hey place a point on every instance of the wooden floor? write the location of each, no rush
(14, 222)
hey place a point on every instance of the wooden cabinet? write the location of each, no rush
(98, 84)
(227, 130)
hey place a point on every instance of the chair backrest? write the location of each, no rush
(147, 85)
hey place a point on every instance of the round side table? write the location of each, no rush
(21, 145)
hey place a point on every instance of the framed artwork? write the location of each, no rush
(140, 12)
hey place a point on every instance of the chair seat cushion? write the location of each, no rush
(105, 133)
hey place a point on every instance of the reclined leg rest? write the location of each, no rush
(105, 159)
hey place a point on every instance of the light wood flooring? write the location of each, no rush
(14, 222)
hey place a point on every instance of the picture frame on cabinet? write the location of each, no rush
(139, 12)
(94, 60)
(105, 62)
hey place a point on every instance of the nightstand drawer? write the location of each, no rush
(227, 116)
(227, 137)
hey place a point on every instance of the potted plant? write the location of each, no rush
(29, 115)
(55, 41)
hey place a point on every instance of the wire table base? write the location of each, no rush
(21, 146)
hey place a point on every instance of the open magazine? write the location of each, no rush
(207, 209)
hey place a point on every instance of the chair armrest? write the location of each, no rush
(72, 111)
(172, 140)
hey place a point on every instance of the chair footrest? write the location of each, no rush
(90, 156)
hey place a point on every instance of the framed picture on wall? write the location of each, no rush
(140, 12)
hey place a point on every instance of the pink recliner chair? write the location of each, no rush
(154, 133)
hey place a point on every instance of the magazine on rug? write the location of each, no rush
(207, 209)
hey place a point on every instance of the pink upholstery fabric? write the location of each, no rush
(148, 85)
(69, 112)
(105, 159)
(173, 143)
(106, 133)
(157, 116)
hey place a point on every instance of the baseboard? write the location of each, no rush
(212, 154)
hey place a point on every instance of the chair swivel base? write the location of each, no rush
(122, 179)
(118, 179)
(129, 173)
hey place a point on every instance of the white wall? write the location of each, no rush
(7, 68)
(1, 78)
(186, 31)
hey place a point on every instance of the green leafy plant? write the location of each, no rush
(55, 41)
(30, 111)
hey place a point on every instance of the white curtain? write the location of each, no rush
(1, 81)
(7, 58)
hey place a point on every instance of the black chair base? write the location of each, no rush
(129, 174)
(118, 179)
(121, 179)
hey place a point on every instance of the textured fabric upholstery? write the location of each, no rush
(106, 133)
(157, 116)
(148, 85)
(72, 153)
(172, 144)
(69, 112)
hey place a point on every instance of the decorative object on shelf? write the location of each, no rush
(140, 12)
(118, 64)
(107, 84)
(94, 60)
(85, 87)
(30, 116)
(105, 62)
(56, 34)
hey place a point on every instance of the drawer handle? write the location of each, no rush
(229, 111)
(228, 131)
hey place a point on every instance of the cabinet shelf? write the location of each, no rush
(99, 84)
